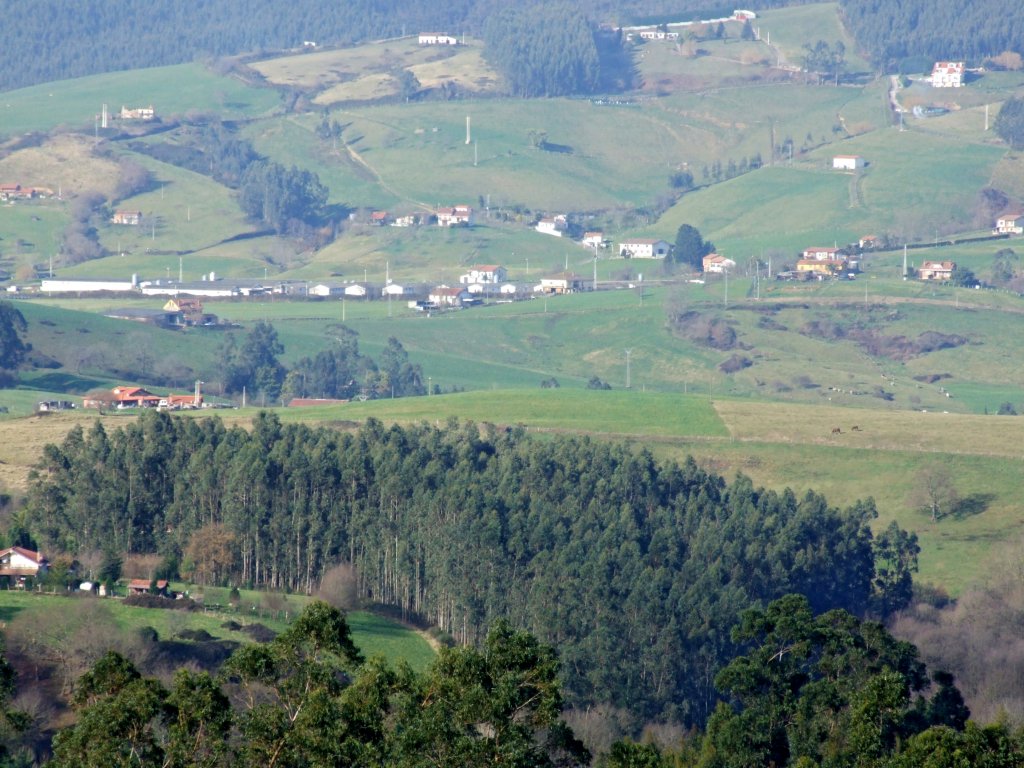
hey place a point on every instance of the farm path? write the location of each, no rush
(361, 162)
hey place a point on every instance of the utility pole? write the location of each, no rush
(628, 383)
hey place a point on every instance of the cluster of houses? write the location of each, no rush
(450, 216)
(123, 397)
(437, 38)
(665, 31)
(19, 565)
(179, 312)
(12, 191)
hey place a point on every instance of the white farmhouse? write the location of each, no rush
(484, 274)
(18, 564)
(554, 225)
(1010, 224)
(947, 74)
(848, 162)
(644, 248)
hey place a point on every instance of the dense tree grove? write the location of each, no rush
(890, 30)
(13, 348)
(341, 371)
(308, 699)
(634, 569)
(805, 691)
(282, 198)
(157, 32)
(1010, 123)
(543, 51)
(690, 248)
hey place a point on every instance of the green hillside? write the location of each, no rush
(178, 89)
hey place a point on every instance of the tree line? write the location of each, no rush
(288, 200)
(893, 32)
(93, 36)
(341, 371)
(805, 690)
(633, 568)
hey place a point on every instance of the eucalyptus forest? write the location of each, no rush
(633, 568)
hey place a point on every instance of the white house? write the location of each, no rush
(458, 215)
(593, 239)
(484, 274)
(1010, 224)
(443, 296)
(716, 264)
(848, 162)
(554, 225)
(947, 74)
(567, 282)
(18, 564)
(822, 254)
(82, 285)
(936, 270)
(408, 220)
(394, 289)
(327, 289)
(356, 290)
(433, 38)
(644, 248)
(138, 113)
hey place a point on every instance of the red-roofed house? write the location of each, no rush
(593, 239)
(936, 270)
(129, 218)
(141, 587)
(9, 191)
(1010, 224)
(459, 215)
(948, 74)
(18, 564)
(380, 218)
(714, 263)
(134, 397)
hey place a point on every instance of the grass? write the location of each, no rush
(367, 71)
(171, 90)
(608, 413)
(374, 635)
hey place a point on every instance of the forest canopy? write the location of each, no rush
(894, 30)
(635, 569)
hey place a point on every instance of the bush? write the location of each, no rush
(155, 601)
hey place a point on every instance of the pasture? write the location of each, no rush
(171, 90)
(368, 72)
(374, 635)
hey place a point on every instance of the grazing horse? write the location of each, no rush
(836, 431)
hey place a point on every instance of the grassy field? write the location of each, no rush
(373, 634)
(171, 90)
(368, 71)
(778, 445)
